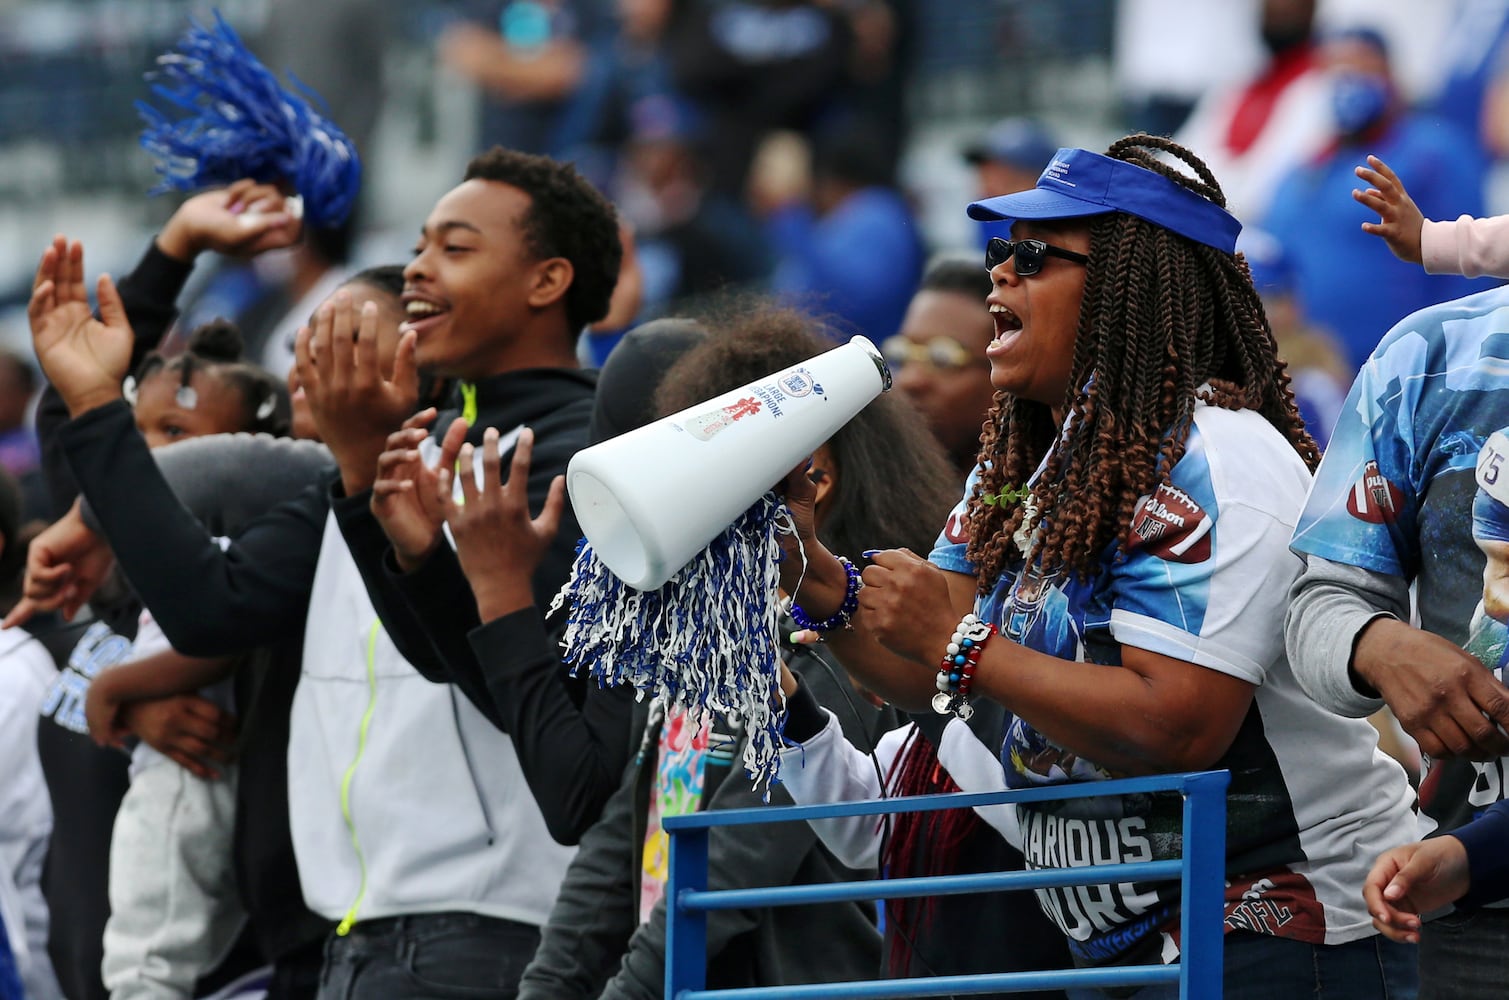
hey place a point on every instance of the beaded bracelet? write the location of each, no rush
(956, 674)
(845, 610)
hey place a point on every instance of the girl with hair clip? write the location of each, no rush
(208, 389)
(1115, 579)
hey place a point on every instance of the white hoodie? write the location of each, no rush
(403, 798)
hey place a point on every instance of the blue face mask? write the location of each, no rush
(1358, 101)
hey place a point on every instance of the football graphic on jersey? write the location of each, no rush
(1170, 525)
(1373, 498)
(957, 528)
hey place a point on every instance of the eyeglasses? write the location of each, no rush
(942, 353)
(1029, 255)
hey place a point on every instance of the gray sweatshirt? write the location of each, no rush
(1329, 605)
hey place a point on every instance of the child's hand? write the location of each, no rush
(1414, 879)
(1401, 220)
(102, 711)
(65, 565)
(194, 733)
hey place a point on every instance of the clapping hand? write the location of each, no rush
(355, 405)
(406, 497)
(498, 542)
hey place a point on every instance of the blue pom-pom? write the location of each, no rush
(230, 119)
(707, 641)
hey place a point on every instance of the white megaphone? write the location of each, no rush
(650, 500)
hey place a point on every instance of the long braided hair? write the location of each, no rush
(1164, 322)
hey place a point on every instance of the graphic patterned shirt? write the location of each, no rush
(1399, 493)
(677, 791)
(1205, 580)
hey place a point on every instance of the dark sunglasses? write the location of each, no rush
(1028, 254)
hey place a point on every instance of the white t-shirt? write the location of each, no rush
(26, 672)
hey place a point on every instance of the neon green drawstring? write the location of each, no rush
(469, 403)
(349, 920)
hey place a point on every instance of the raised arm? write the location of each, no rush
(243, 219)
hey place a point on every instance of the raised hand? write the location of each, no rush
(406, 497)
(355, 405)
(239, 221)
(1414, 879)
(1400, 218)
(84, 358)
(498, 542)
(65, 565)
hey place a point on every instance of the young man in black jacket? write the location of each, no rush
(439, 869)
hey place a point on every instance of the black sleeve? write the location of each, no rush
(595, 913)
(150, 295)
(805, 718)
(571, 735)
(209, 601)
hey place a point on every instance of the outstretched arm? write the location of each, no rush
(1400, 219)
(245, 218)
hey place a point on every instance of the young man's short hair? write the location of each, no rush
(567, 217)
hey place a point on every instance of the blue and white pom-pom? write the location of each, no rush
(707, 641)
(235, 120)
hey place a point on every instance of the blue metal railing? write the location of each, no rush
(1201, 872)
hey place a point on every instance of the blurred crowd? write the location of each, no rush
(186, 762)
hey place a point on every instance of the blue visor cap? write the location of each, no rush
(1079, 183)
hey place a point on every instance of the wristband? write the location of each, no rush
(845, 610)
(956, 673)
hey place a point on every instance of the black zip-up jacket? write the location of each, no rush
(573, 738)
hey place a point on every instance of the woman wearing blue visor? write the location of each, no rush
(1116, 578)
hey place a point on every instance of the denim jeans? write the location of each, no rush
(428, 956)
(1263, 967)
(1465, 955)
